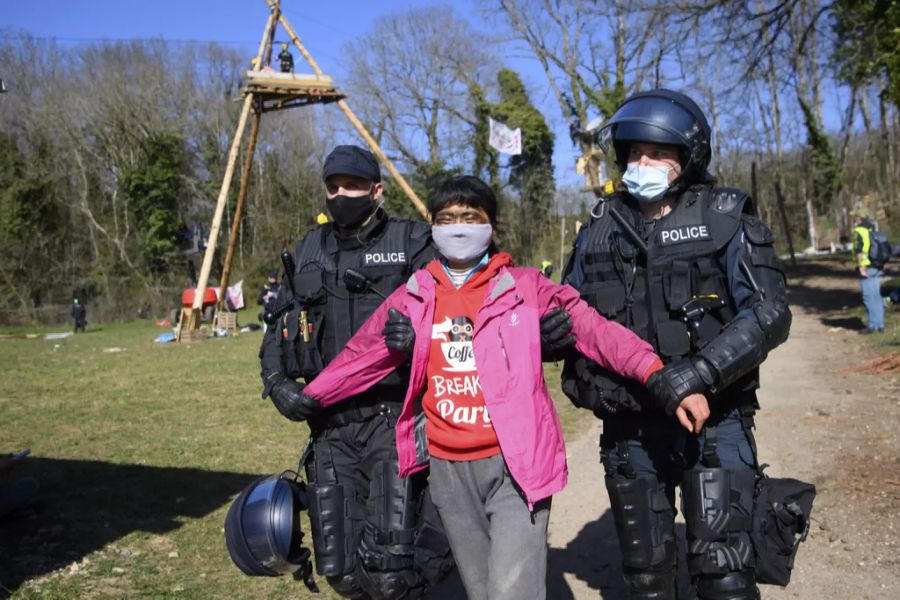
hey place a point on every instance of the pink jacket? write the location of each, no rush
(507, 348)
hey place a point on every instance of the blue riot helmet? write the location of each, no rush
(262, 528)
(661, 117)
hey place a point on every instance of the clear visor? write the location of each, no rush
(649, 119)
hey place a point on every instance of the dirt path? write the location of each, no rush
(819, 423)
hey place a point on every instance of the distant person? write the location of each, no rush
(869, 270)
(547, 268)
(79, 315)
(286, 59)
(268, 293)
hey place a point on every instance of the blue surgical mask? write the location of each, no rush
(462, 242)
(646, 183)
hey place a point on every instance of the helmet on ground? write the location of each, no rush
(660, 117)
(262, 528)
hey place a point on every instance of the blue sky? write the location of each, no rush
(324, 28)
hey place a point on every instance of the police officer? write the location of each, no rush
(374, 535)
(268, 293)
(689, 268)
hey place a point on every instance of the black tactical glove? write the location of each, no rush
(556, 327)
(288, 397)
(674, 382)
(398, 332)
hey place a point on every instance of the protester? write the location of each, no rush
(869, 271)
(468, 326)
(687, 267)
(286, 59)
(79, 315)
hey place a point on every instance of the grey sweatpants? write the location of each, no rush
(500, 546)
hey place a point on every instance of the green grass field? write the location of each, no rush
(139, 449)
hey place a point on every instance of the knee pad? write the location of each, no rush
(334, 532)
(348, 586)
(387, 548)
(718, 504)
(644, 520)
(740, 585)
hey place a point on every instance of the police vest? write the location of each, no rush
(677, 296)
(338, 290)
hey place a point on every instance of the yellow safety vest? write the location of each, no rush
(863, 233)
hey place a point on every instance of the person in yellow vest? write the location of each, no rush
(547, 268)
(286, 59)
(870, 273)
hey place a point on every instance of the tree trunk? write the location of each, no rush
(785, 226)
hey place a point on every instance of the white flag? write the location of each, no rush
(505, 140)
(235, 295)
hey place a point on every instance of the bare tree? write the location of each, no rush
(409, 81)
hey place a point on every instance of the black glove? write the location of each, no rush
(288, 397)
(674, 382)
(398, 332)
(556, 327)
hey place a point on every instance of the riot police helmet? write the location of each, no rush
(660, 116)
(262, 527)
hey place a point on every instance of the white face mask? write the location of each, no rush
(646, 183)
(462, 242)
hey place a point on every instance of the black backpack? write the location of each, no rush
(780, 522)
(879, 249)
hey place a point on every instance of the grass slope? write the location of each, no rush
(140, 449)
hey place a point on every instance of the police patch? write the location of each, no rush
(685, 233)
(384, 258)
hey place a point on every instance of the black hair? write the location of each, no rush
(466, 190)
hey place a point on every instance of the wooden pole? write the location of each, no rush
(354, 121)
(239, 208)
(196, 309)
(562, 243)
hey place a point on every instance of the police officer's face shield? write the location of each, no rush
(654, 120)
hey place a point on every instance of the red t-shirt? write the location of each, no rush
(458, 425)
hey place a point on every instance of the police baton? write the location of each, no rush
(627, 228)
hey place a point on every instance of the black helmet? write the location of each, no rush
(262, 528)
(661, 117)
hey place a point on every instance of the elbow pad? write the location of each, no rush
(741, 347)
(775, 321)
(744, 343)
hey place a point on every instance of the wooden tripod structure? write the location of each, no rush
(267, 91)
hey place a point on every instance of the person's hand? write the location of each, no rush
(556, 329)
(290, 400)
(693, 412)
(863, 272)
(676, 382)
(398, 332)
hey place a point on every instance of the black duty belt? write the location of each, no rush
(358, 409)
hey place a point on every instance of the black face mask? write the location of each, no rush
(350, 211)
